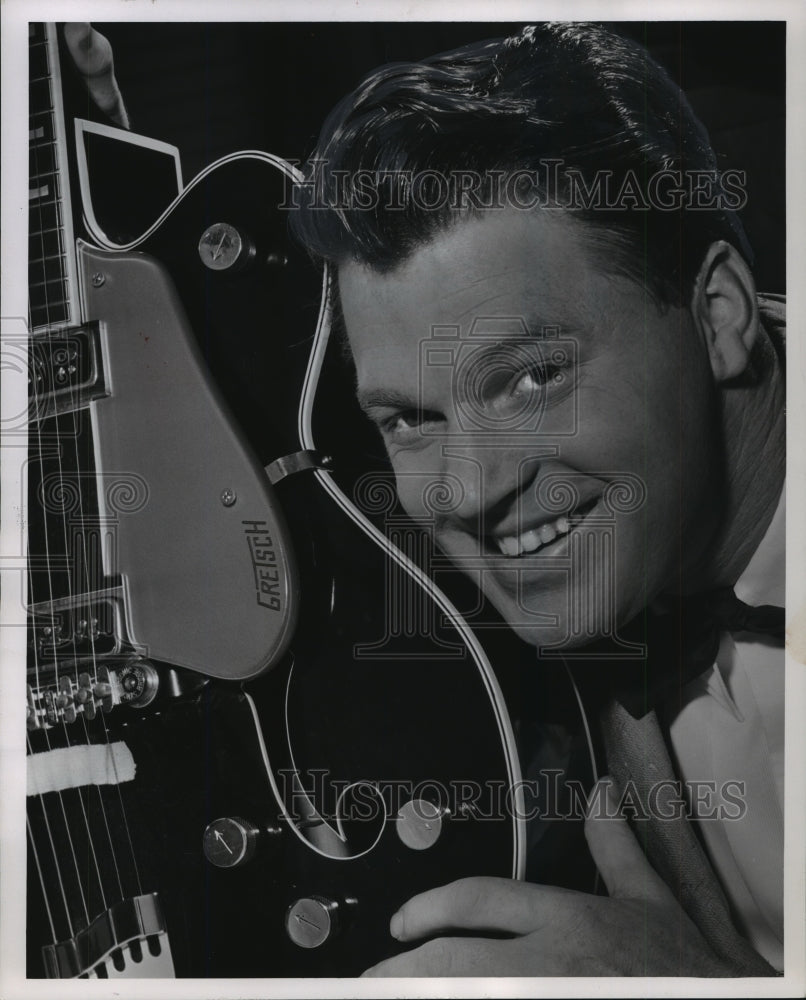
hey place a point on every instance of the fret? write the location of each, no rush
(48, 314)
(41, 160)
(48, 180)
(50, 240)
(48, 185)
(38, 61)
(46, 257)
(45, 215)
(48, 306)
(41, 130)
(45, 114)
(50, 292)
(45, 272)
(45, 244)
(40, 95)
(40, 126)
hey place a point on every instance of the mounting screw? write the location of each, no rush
(98, 279)
(228, 497)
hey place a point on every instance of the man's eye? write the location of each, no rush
(525, 383)
(533, 380)
(400, 423)
(408, 425)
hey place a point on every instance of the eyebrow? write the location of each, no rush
(372, 399)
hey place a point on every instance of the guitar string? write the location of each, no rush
(32, 842)
(88, 581)
(585, 724)
(117, 791)
(39, 410)
(589, 740)
(30, 832)
(49, 117)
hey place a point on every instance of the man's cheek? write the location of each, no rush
(430, 492)
(413, 491)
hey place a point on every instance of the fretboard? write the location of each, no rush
(51, 263)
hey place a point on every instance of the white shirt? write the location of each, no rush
(730, 732)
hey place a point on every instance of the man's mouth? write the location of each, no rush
(534, 539)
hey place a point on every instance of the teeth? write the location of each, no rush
(535, 538)
(529, 541)
(509, 546)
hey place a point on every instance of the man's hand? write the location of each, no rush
(92, 55)
(638, 930)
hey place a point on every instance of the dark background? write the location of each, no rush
(213, 89)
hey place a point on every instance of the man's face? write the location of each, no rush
(544, 420)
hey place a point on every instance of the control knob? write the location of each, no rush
(313, 920)
(230, 841)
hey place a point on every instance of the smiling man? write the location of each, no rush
(549, 307)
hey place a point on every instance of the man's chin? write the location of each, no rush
(553, 629)
(546, 629)
(549, 640)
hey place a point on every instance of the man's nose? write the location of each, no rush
(473, 484)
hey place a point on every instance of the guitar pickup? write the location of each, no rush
(65, 371)
(86, 626)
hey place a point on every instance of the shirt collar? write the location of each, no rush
(762, 582)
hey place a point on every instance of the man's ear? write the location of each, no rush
(725, 310)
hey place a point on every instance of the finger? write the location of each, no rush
(90, 50)
(447, 957)
(618, 856)
(92, 55)
(479, 904)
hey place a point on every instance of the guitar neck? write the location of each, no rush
(53, 295)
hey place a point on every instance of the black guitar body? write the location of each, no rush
(282, 814)
(386, 699)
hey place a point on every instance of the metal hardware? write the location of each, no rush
(299, 461)
(222, 247)
(228, 497)
(138, 682)
(312, 920)
(98, 279)
(419, 824)
(65, 371)
(134, 919)
(230, 841)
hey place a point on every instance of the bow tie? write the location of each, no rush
(681, 643)
(730, 614)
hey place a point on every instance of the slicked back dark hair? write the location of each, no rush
(575, 93)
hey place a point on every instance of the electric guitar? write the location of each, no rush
(255, 727)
